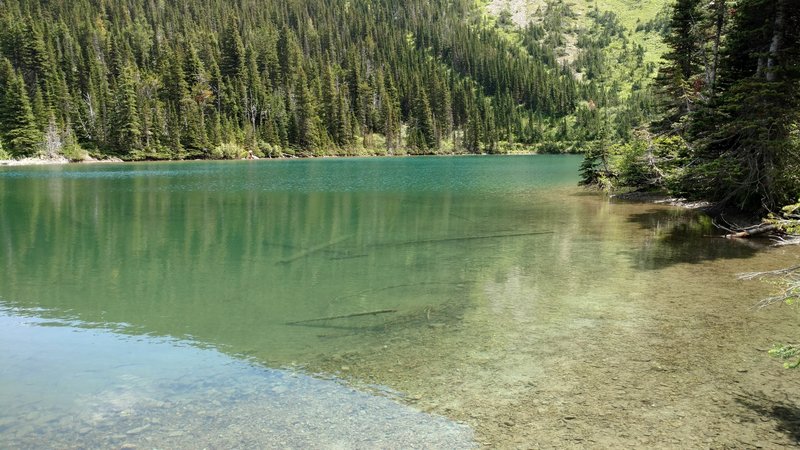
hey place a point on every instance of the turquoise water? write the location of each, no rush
(125, 288)
(227, 253)
(361, 303)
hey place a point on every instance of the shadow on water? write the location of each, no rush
(688, 237)
(786, 414)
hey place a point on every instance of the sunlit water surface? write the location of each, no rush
(325, 303)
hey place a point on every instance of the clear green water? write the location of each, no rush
(157, 304)
(226, 254)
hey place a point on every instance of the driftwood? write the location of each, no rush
(764, 228)
(457, 239)
(344, 316)
(789, 277)
(400, 286)
(312, 250)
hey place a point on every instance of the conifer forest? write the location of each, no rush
(204, 79)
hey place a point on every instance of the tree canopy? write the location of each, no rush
(154, 79)
(730, 90)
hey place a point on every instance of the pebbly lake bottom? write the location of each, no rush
(671, 357)
(186, 304)
(103, 390)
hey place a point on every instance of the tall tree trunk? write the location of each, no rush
(719, 25)
(777, 41)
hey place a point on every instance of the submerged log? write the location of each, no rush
(313, 250)
(344, 316)
(462, 238)
(764, 228)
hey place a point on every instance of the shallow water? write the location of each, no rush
(177, 296)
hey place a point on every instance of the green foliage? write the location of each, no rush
(595, 170)
(633, 163)
(175, 80)
(3, 153)
(228, 150)
(787, 352)
(74, 152)
(18, 127)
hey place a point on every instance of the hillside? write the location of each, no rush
(632, 14)
(612, 48)
(214, 78)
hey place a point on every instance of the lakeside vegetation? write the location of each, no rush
(730, 108)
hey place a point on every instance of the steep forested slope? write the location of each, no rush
(201, 78)
(612, 47)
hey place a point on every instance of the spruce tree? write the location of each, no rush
(677, 75)
(18, 128)
(308, 137)
(232, 63)
(126, 130)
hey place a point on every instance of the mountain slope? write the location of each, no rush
(206, 77)
(614, 57)
(215, 78)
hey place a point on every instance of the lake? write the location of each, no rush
(443, 302)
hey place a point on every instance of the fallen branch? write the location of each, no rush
(345, 316)
(790, 278)
(339, 258)
(789, 294)
(456, 239)
(753, 231)
(312, 250)
(771, 273)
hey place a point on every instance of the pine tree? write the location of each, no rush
(232, 63)
(390, 114)
(422, 125)
(678, 75)
(126, 130)
(474, 131)
(17, 122)
(329, 103)
(308, 137)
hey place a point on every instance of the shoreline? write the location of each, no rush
(733, 221)
(662, 198)
(52, 161)
(36, 161)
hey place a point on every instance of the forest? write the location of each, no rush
(209, 78)
(212, 78)
(729, 111)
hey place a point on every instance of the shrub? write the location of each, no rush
(228, 150)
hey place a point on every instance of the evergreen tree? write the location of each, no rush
(18, 128)
(232, 62)
(745, 151)
(126, 130)
(422, 126)
(308, 130)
